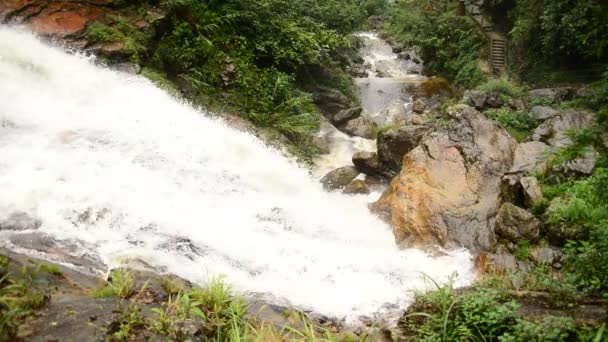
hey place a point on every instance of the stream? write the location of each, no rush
(116, 169)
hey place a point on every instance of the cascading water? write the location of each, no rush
(112, 164)
(384, 100)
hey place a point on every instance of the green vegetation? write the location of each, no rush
(120, 284)
(554, 40)
(520, 124)
(484, 313)
(257, 58)
(449, 43)
(21, 293)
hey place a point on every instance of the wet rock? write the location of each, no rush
(360, 127)
(543, 112)
(72, 319)
(322, 144)
(331, 101)
(345, 115)
(358, 70)
(129, 68)
(357, 187)
(59, 250)
(419, 106)
(448, 191)
(367, 162)
(554, 131)
(393, 144)
(19, 221)
(530, 156)
(515, 224)
(339, 178)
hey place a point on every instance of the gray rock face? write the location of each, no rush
(583, 166)
(360, 127)
(448, 191)
(339, 178)
(530, 156)
(515, 224)
(345, 115)
(553, 94)
(367, 162)
(555, 130)
(395, 143)
(543, 112)
(480, 99)
(520, 190)
(475, 98)
(531, 190)
(19, 221)
(60, 250)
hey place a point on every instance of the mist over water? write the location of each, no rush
(123, 170)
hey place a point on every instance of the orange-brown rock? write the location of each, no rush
(52, 18)
(448, 191)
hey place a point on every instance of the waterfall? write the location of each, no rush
(120, 169)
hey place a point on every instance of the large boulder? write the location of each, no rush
(360, 127)
(530, 156)
(345, 115)
(521, 190)
(367, 162)
(515, 224)
(339, 178)
(553, 94)
(543, 112)
(555, 130)
(481, 100)
(448, 191)
(393, 144)
(357, 187)
(331, 101)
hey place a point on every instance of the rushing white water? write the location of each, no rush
(165, 183)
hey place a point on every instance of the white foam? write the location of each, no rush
(151, 170)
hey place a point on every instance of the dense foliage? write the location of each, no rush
(255, 56)
(484, 313)
(449, 43)
(571, 36)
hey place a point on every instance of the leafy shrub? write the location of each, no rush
(482, 314)
(501, 86)
(449, 43)
(519, 124)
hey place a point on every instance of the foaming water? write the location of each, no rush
(116, 165)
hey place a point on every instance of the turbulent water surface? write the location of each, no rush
(117, 167)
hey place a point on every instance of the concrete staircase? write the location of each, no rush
(498, 43)
(498, 54)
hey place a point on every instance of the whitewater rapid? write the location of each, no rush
(165, 183)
